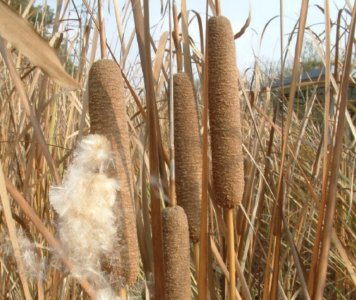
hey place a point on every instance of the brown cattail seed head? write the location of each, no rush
(224, 114)
(188, 154)
(176, 253)
(107, 112)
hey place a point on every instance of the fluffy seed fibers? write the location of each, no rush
(84, 203)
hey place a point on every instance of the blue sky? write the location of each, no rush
(248, 46)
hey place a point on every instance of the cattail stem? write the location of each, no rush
(101, 29)
(218, 7)
(171, 117)
(196, 257)
(203, 247)
(231, 251)
(123, 294)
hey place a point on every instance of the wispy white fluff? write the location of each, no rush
(84, 202)
(34, 264)
(106, 294)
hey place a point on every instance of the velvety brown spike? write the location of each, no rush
(188, 154)
(107, 112)
(224, 114)
(176, 253)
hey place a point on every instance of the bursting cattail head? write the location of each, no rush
(107, 110)
(188, 155)
(94, 153)
(106, 294)
(224, 114)
(84, 203)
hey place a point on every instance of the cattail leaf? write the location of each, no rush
(21, 34)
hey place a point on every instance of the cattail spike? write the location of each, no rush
(224, 114)
(188, 153)
(176, 253)
(107, 112)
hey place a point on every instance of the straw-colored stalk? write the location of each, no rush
(225, 128)
(188, 153)
(176, 253)
(107, 112)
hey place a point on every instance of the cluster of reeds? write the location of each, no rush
(160, 171)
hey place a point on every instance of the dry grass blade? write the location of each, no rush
(158, 64)
(335, 164)
(343, 253)
(143, 40)
(271, 287)
(20, 33)
(297, 261)
(316, 246)
(186, 48)
(203, 250)
(28, 109)
(244, 27)
(12, 233)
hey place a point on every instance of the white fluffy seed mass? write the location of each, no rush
(84, 202)
(106, 294)
(34, 265)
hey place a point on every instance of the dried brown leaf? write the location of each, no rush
(21, 34)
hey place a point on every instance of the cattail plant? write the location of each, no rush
(225, 128)
(84, 202)
(174, 219)
(176, 253)
(188, 154)
(107, 112)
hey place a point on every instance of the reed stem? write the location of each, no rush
(231, 251)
